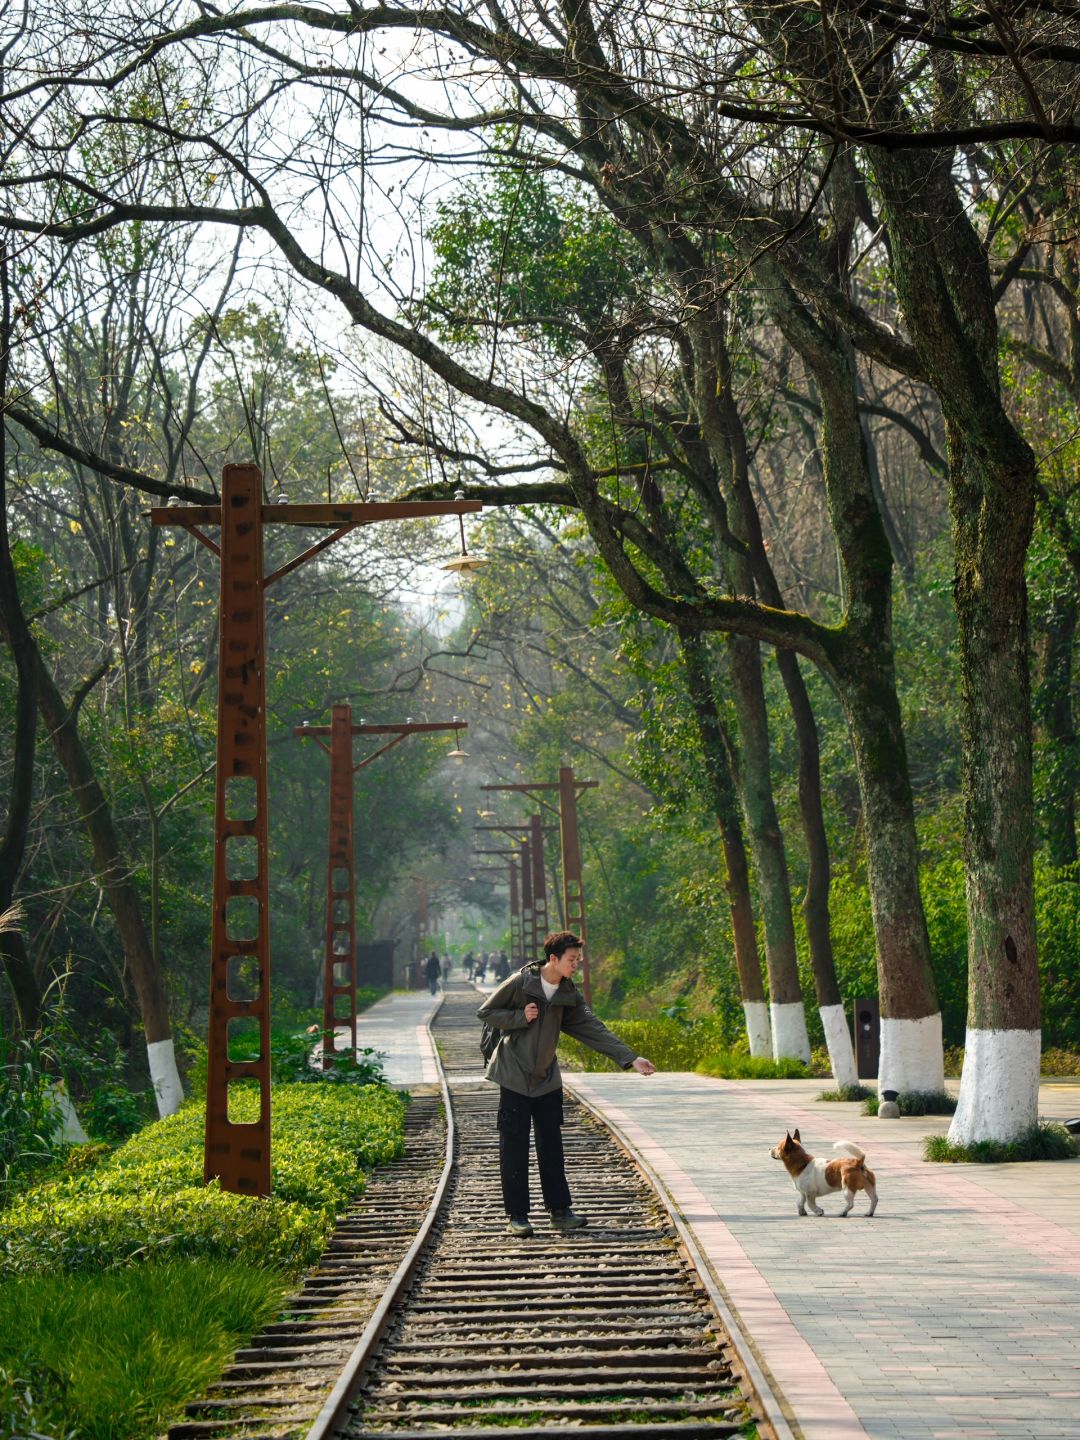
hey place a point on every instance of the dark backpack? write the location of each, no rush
(489, 1040)
(490, 1037)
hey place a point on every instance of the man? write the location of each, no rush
(432, 972)
(532, 1009)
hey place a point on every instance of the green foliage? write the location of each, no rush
(846, 1092)
(29, 1112)
(1057, 919)
(32, 1402)
(112, 1112)
(518, 250)
(147, 1200)
(1059, 1062)
(917, 1102)
(110, 1356)
(672, 1045)
(291, 1059)
(1044, 1142)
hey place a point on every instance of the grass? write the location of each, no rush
(846, 1092)
(113, 1354)
(917, 1102)
(1043, 1142)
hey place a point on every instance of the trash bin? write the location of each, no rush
(867, 1027)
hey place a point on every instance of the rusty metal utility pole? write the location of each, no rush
(339, 954)
(238, 1153)
(573, 894)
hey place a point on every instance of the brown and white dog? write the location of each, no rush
(814, 1178)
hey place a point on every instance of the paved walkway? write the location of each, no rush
(953, 1314)
(397, 1026)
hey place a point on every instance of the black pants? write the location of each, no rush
(544, 1114)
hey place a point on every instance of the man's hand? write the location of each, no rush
(532, 1010)
(643, 1066)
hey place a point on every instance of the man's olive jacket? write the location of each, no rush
(524, 1060)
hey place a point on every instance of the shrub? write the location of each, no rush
(147, 1199)
(734, 1065)
(1043, 1142)
(847, 1092)
(1059, 1062)
(28, 1116)
(112, 1112)
(917, 1102)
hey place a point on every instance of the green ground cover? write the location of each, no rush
(673, 1044)
(136, 1261)
(1043, 1142)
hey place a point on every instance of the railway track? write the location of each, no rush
(609, 1329)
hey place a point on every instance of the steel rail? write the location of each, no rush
(754, 1372)
(332, 1415)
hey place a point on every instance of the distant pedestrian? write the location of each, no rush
(532, 1009)
(502, 966)
(445, 968)
(433, 970)
(481, 968)
(468, 963)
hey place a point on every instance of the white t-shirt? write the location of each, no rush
(549, 989)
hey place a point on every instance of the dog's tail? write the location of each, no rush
(846, 1147)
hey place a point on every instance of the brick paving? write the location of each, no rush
(954, 1314)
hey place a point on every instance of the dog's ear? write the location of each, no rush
(787, 1136)
(797, 1135)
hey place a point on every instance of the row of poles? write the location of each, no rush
(522, 864)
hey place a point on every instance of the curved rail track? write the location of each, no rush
(467, 1330)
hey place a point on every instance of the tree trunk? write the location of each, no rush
(943, 280)
(114, 873)
(715, 748)
(911, 1048)
(786, 1012)
(25, 984)
(815, 904)
(864, 671)
(999, 1086)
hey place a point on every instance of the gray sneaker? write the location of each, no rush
(519, 1226)
(567, 1220)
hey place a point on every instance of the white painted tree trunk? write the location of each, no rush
(165, 1078)
(757, 1028)
(69, 1129)
(911, 1055)
(838, 1043)
(999, 1086)
(789, 1037)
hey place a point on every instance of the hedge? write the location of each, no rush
(146, 1201)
